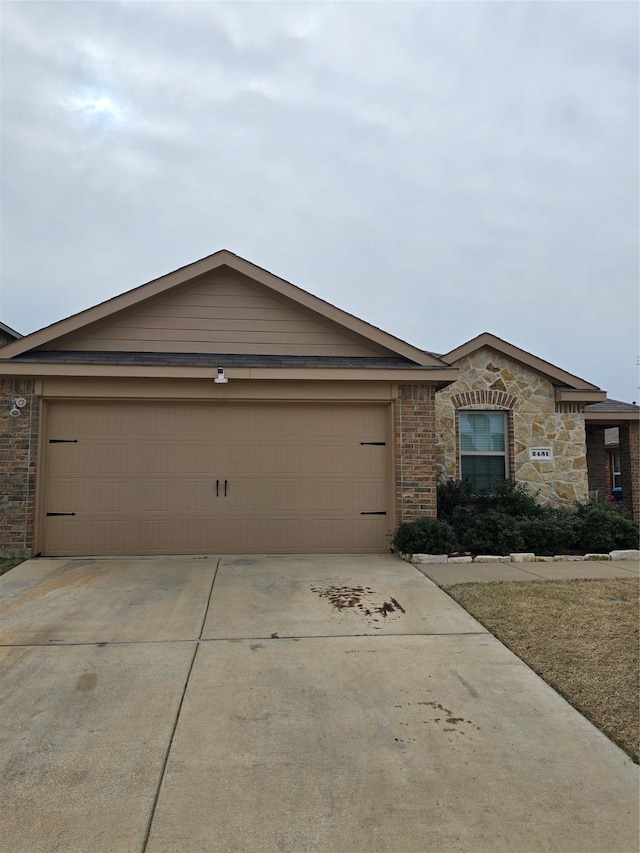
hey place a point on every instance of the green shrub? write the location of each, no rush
(463, 520)
(550, 532)
(425, 536)
(602, 528)
(514, 499)
(453, 495)
(495, 533)
(461, 506)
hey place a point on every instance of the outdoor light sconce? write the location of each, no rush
(220, 377)
(16, 404)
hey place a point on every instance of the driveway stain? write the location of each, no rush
(472, 690)
(412, 716)
(86, 682)
(451, 723)
(362, 600)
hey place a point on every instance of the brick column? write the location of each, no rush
(18, 446)
(597, 462)
(630, 467)
(415, 444)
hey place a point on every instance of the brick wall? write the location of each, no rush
(597, 461)
(415, 452)
(630, 467)
(18, 445)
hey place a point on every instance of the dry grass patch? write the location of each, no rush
(581, 636)
(7, 563)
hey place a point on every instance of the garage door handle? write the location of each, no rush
(217, 487)
(225, 488)
(60, 513)
(379, 512)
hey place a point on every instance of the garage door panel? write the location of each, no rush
(291, 495)
(141, 478)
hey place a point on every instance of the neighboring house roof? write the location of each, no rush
(611, 411)
(566, 383)
(9, 332)
(51, 337)
(613, 406)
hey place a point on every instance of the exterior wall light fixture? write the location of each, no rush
(16, 404)
(220, 377)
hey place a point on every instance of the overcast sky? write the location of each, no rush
(437, 169)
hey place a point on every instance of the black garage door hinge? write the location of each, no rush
(375, 443)
(380, 512)
(63, 441)
(60, 513)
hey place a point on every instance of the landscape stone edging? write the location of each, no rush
(440, 559)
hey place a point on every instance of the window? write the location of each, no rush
(615, 470)
(483, 448)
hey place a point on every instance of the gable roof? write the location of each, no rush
(555, 374)
(9, 331)
(49, 337)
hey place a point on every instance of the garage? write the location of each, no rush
(218, 409)
(152, 477)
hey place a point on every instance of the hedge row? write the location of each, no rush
(511, 520)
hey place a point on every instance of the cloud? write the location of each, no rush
(438, 169)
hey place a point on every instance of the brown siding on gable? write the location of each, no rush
(18, 450)
(415, 452)
(223, 313)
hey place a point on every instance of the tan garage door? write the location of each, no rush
(205, 478)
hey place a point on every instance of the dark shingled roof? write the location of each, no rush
(611, 407)
(9, 332)
(196, 359)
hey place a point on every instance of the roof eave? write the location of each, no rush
(605, 419)
(429, 375)
(553, 373)
(570, 395)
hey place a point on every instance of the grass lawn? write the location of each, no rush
(7, 563)
(581, 636)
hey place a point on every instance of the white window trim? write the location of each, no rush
(504, 453)
(615, 469)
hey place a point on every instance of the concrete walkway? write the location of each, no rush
(450, 573)
(329, 704)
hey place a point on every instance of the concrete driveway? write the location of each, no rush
(258, 704)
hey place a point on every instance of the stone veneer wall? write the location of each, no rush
(489, 381)
(415, 452)
(18, 447)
